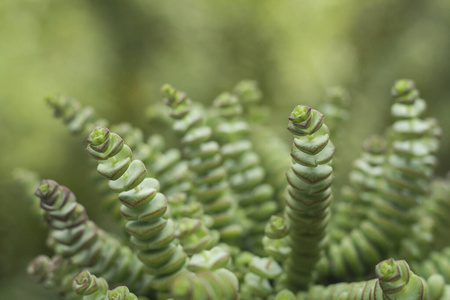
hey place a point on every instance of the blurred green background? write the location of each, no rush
(114, 55)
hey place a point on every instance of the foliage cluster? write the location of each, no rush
(229, 214)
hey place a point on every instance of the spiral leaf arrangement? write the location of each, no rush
(438, 262)
(430, 225)
(193, 225)
(142, 205)
(27, 180)
(246, 176)
(89, 286)
(335, 107)
(79, 240)
(208, 278)
(413, 146)
(392, 207)
(249, 95)
(438, 206)
(257, 283)
(309, 193)
(275, 239)
(80, 120)
(83, 120)
(194, 236)
(274, 162)
(144, 151)
(366, 178)
(92, 288)
(54, 273)
(172, 171)
(180, 208)
(394, 280)
(419, 243)
(218, 284)
(40, 269)
(415, 142)
(248, 92)
(205, 161)
(272, 159)
(147, 152)
(408, 168)
(77, 118)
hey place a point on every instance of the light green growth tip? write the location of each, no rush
(224, 99)
(98, 136)
(248, 92)
(276, 222)
(52, 101)
(38, 265)
(81, 282)
(120, 293)
(43, 187)
(187, 225)
(403, 85)
(386, 269)
(168, 90)
(374, 144)
(338, 95)
(300, 114)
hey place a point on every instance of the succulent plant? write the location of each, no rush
(229, 213)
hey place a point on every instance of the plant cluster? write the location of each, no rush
(228, 214)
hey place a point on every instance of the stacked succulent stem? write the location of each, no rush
(28, 181)
(391, 208)
(79, 240)
(92, 288)
(309, 194)
(246, 175)
(412, 157)
(274, 162)
(81, 120)
(407, 173)
(56, 273)
(275, 238)
(172, 171)
(194, 236)
(394, 280)
(77, 118)
(438, 207)
(429, 228)
(142, 205)
(436, 263)
(411, 160)
(193, 229)
(205, 285)
(145, 151)
(249, 96)
(205, 161)
(207, 278)
(272, 159)
(335, 108)
(257, 282)
(366, 178)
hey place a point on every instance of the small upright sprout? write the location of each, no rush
(143, 206)
(309, 194)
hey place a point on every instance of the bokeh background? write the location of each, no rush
(114, 55)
